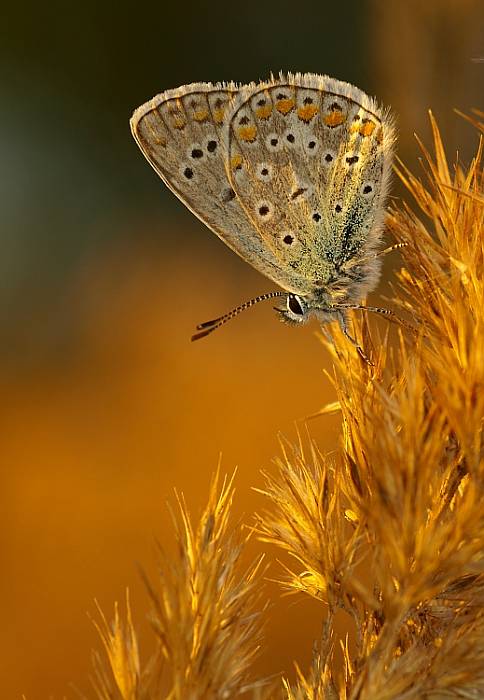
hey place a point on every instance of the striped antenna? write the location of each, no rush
(390, 249)
(209, 326)
(390, 315)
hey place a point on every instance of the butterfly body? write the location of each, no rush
(291, 173)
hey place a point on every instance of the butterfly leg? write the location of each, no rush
(361, 353)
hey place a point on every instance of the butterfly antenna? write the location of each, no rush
(390, 249)
(390, 315)
(210, 326)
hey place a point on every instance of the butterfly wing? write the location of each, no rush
(179, 132)
(310, 164)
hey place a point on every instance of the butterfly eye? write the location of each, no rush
(294, 305)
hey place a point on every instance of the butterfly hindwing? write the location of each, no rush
(309, 163)
(180, 134)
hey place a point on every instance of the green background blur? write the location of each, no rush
(106, 406)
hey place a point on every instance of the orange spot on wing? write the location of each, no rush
(263, 112)
(367, 128)
(236, 162)
(201, 115)
(307, 112)
(285, 106)
(334, 118)
(218, 115)
(248, 133)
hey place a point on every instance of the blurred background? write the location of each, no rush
(106, 405)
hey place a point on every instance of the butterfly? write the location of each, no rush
(292, 173)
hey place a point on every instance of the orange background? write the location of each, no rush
(106, 405)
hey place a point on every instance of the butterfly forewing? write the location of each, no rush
(179, 132)
(309, 163)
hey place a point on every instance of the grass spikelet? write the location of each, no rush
(307, 520)
(206, 611)
(120, 642)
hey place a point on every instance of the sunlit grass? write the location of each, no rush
(389, 529)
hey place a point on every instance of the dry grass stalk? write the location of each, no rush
(391, 531)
